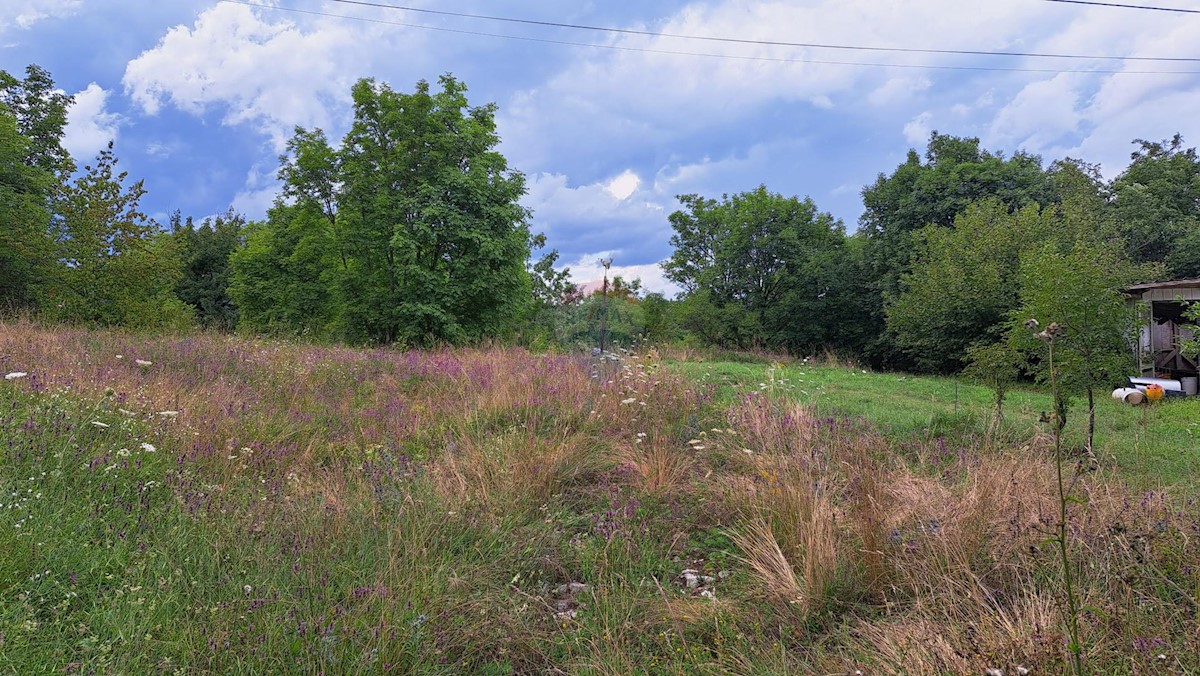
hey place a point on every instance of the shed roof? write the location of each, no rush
(1173, 284)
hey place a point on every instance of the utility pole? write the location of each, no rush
(607, 263)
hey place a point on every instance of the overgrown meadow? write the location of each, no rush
(216, 504)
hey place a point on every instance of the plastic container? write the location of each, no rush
(1189, 385)
(1129, 395)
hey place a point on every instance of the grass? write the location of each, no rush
(260, 507)
(1157, 446)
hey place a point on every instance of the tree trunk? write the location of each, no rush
(1091, 433)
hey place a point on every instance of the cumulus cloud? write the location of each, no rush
(917, 131)
(588, 218)
(21, 14)
(90, 126)
(623, 99)
(273, 74)
(587, 268)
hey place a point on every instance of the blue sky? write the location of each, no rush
(201, 95)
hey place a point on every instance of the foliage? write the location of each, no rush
(32, 163)
(24, 245)
(205, 253)
(40, 110)
(412, 227)
(114, 266)
(759, 268)
(280, 281)
(956, 172)
(1156, 200)
(1080, 290)
(964, 282)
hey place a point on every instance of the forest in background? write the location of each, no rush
(409, 231)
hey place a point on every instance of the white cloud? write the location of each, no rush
(898, 90)
(273, 74)
(623, 185)
(584, 218)
(257, 194)
(89, 124)
(619, 101)
(917, 131)
(588, 269)
(22, 14)
(1041, 114)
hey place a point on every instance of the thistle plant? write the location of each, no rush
(1059, 421)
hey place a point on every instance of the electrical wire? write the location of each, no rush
(744, 41)
(1178, 10)
(646, 50)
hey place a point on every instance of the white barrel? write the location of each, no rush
(1129, 395)
(1189, 385)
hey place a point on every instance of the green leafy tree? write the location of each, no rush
(33, 164)
(1079, 288)
(280, 281)
(964, 282)
(114, 265)
(24, 244)
(435, 238)
(206, 251)
(1156, 201)
(758, 268)
(954, 173)
(40, 110)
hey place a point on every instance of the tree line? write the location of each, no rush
(410, 231)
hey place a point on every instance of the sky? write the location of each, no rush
(609, 127)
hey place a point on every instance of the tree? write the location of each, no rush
(1156, 201)
(1079, 288)
(24, 245)
(113, 265)
(964, 283)
(40, 110)
(410, 232)
(281, 280)
(205, 252)
(758, 268)
(33, 164)
(955, 173)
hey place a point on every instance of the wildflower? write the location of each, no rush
(168, 414)
(99, 424)
(120, 356)
(247, 589)
(14, 375)
(149, 448)
(142, 362)
(123, 453)
(629, 400)
(641, 435)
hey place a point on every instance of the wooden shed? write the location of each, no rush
(1161, 326)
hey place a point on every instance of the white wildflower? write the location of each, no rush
(168, 414)
(149, 448)
(142, 362)
(97, 423)
(120, 356)
(247, 589)
(123, 453)
(14, 375)
(629, 400)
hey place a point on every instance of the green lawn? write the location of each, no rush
(1153, 446)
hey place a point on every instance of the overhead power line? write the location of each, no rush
(737, 57)
(745, 41)
(1177, 10)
